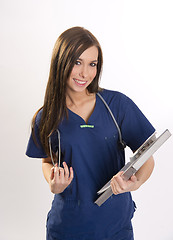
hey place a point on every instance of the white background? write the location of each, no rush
(137, 42)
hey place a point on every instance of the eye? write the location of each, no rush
(93, 64)
(77, 62)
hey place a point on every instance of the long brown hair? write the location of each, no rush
(68, 47)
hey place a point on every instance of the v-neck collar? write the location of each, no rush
(80, 119)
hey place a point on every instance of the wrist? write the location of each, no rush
(54, 190)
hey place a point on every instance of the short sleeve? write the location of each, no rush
(135, 126)
(34, 148)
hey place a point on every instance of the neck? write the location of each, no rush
(75, 98)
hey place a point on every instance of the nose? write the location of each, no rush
(83, 71)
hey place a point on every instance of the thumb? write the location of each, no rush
(52, 173)
(133, 178)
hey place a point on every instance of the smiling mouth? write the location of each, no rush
(79, 82)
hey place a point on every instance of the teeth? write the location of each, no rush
(80, 82)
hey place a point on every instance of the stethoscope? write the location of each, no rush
(58, 152)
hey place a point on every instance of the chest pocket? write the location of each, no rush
(111, 139)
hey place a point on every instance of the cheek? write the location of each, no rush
(73, 72)
(94, 73)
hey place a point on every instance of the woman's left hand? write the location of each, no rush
(119, 185)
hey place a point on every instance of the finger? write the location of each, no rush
(133, 178)
(121, 183)
(56, 173)
(112, 187)
(115, 186)
(71, 175)
(120, 173)
(66, 171)
(61, 173)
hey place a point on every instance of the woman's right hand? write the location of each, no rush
(60, 178)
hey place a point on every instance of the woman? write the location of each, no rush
(90, 153)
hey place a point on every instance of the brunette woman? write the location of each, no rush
(74, 116)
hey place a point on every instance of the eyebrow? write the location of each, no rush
(91, 61)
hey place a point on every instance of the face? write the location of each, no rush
(84, 70)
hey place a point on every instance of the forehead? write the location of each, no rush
(90, 54)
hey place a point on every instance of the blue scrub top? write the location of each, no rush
(95, 156)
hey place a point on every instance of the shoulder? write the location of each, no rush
(118, 102)
(38, 116)
(111, 96)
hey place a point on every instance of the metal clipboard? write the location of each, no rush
(144, 152)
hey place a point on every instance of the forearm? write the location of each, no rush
(144, 173)
(46, 167)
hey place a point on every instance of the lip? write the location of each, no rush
(79, 82)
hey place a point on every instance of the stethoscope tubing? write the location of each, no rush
(58, 152)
